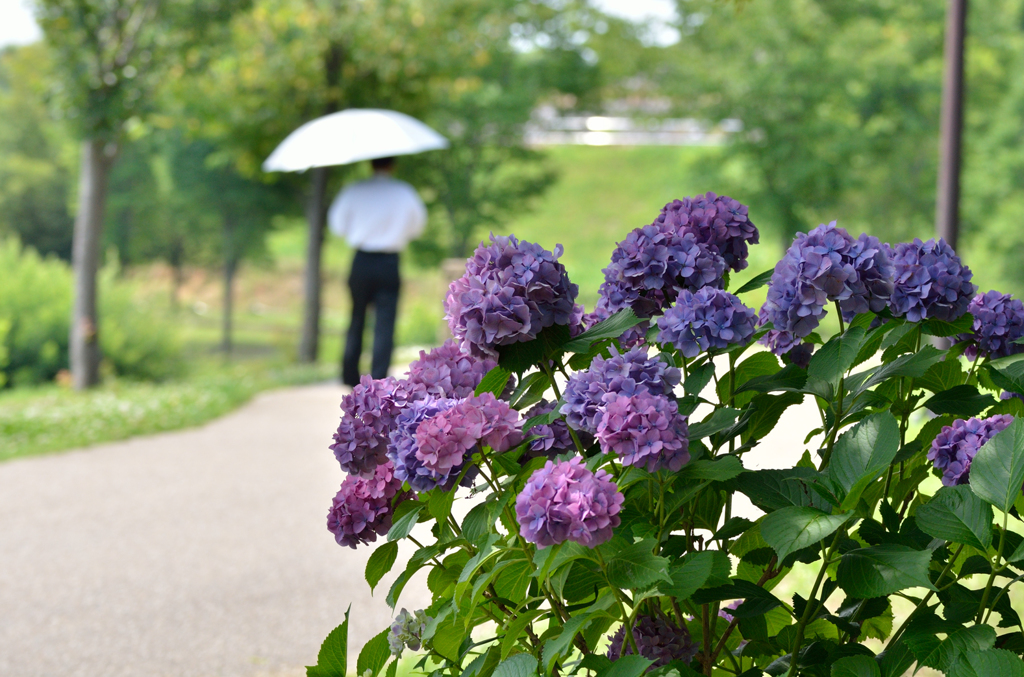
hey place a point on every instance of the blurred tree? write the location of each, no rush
(110, 56)
(839, 103)
(449, 62)
(36, 155)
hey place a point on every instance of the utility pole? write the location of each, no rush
(947, 203)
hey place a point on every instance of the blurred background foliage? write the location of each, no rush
(838, 100)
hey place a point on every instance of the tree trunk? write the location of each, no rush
(84, 348)
(316, 217)
(230, 266)
(947, 202)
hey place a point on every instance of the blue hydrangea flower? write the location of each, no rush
(446, 371)
(657, 638)
(651, 265)
(955, 446)
(511, 291)
(820, 267)
(368, 415)
(931, 282)
(551, 438)
(710, 319)
(715, 220)
(620, 373)
(998, 322)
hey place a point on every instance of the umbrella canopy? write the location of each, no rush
(350, 136)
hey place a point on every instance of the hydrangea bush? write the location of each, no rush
(570, 480)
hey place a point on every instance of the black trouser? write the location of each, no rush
(374, 280)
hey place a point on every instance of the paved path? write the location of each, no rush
(198, 553)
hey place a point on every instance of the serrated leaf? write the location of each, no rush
(515, 629)
(697, 569)
(493, 382)
(1008, 375)
(990, 663)
(881, 570)
(963, 401)
(719, 420)
(520, 665)
(935, 327)
(765, 412)
(790, 378)
(856, 666)
(613, 327)
(374, 655)
(997, 471)
(627, 666)
(913, 365)
(636, 566)
(332, 659)
(943, 376)
(404, 521)
(862, 454)
(699, 378)
(956, 514)
(758, 281)
(835, 358)
(796, 527)
(380, 562)
(477, 523)
(718, 470)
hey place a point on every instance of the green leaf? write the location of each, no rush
(990, 663)
(332, 660)
(627, 666)
(538, 381)
(719, 420)
(963, 401)
(942, 654)
(520, 665)
(380, 562)
(1009, 374)
(760, 280)
(636, 566)
(766, 410)
(719, 470)
(773, 489)
(440, 502)
(515, 629)
(794, 528)
(554, 648)
(448, 638)
(943, 376)
(913, 365)
(862, 454)
(613, 327)
(699, 378)
(404, 521)
(477, 523)
(493, 381)
(541, 419)
(374, 655)
(997, 471)
(956, 514)
(961, 325)
(711, 567)
(856, 666)
(882, 570)
(790, 378)
(835, 358)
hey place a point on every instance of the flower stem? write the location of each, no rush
(810, 607)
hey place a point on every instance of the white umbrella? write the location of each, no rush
(350, 136)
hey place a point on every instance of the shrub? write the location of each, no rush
(35, 303)
(598, 535)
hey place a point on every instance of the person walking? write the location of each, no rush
(378, 217)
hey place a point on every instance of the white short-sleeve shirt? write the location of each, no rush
(379, 214)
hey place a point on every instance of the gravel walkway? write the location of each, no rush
(199, 553)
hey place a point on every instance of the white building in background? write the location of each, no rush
(548, 128)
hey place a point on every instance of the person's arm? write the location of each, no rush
(417, 216)
(338, 215)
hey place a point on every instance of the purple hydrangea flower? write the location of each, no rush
(710, 319)
(931, 282)
(511, 291)
(621, 373)
(407, 631)
(717, 221)
(651, 265)
(645, 430)
(658, 639)
(446, 371)
(998, 322)
(801, 354)
(404, 444)
(821, 266)
(566, 502)
(368, 414)
(955, 446)
(731, 606)
(552, 438)
(444, 440)
(363, 507)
